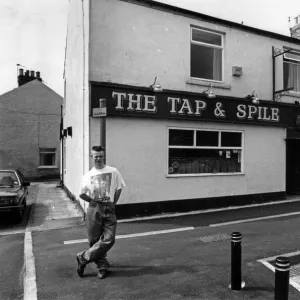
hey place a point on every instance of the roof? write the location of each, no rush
(26, 85)
(196, 15)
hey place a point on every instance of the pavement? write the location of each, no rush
(53, 209)
(165, 257)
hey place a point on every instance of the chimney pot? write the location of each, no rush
(21, 72)
(38, 74)
(27, 73)
(32, 73)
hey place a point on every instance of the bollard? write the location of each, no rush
(236, 262)
(282, 276)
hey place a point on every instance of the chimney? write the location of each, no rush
(295, 29)
(28, 76)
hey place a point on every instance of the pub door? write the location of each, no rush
(293, 166)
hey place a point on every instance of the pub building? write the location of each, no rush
(195, 112)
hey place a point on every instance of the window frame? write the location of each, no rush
(291, 61)
(209, 46)
(47, 151)
(195, 129)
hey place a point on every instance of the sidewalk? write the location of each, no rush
(53, 208)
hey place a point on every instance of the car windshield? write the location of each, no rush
(8, 178)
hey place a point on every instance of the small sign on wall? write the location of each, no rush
(237, 71)
(100, 111)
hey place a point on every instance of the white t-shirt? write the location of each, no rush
(102, 183)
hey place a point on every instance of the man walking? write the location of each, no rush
(101, 187)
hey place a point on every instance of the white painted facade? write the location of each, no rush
(129, 42)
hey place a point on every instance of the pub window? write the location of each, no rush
(206, 54)
(291, 70)
(193, 151)
(47, 157)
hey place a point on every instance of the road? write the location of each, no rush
(186, 257)
(12, 251)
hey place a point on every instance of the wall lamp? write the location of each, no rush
(156, 87)
(209, 92)
(253, 97)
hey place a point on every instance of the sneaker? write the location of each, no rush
(102, 274)
(80, 266)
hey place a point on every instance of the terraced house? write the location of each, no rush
(195, 111)
(30, 118)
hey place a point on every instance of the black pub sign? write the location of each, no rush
(124, 101)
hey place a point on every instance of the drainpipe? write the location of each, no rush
(62, 145)
(83, 104)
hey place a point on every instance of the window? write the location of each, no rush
(206, 54)
(291, 70)
(47, 157)
(193, 151)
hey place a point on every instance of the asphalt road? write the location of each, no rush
(12, 252)
(193, 264)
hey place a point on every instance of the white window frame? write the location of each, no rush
(292, 61)
(209, 46)
(204, 147)
(47, 151)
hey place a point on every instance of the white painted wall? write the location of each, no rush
(76, 111)
(131, 44)
(138, 148)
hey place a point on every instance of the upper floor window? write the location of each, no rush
(291, 70)
(206, 54)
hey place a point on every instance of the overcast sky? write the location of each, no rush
(33, 32)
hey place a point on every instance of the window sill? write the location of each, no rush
(293, 94)
(221, 85)
(47, 167)
(204, 175)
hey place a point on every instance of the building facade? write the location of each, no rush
(30, 118)
(195, 111)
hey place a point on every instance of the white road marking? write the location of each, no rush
(294, 280)
(126, 236)
(30, 290)
(255, 219)
(29, 280)
(12, 232)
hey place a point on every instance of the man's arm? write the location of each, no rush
(117, 195)
(85, 197)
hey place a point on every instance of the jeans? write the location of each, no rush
(101, 227)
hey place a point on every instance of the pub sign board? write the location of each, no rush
(124, 101)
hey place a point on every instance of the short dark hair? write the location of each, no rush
(98, 148)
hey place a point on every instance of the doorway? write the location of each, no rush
(293, 166)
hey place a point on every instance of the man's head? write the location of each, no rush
(98, 156)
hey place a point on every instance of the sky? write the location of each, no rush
(33, 32)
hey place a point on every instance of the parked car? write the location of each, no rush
(13, 193)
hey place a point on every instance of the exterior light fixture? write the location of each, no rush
(253, 97)
(156, 86)
(209, 92)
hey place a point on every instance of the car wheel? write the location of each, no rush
(19, 216)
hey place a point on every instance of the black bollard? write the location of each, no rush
(236, 261)
(282, 277)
